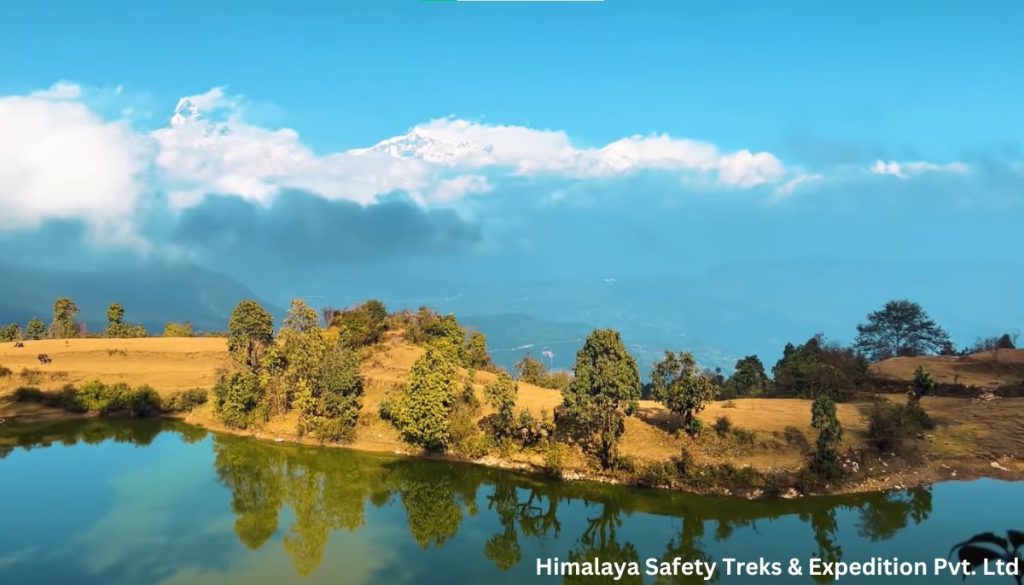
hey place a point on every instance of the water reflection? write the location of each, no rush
(330, 491)
(299, 498)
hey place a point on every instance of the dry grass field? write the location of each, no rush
(778, 435)
(985, 369)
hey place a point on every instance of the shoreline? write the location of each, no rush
(899, 474)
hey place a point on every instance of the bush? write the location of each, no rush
(722, 425)
(235, 398)
(29, 394)
(5, 371)
(185, 400)
(553, 460)
(694, 427)
(143, 401)
(172, 329)
(744, 436)
(890, 425)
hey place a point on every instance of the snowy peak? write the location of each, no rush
(422, 146)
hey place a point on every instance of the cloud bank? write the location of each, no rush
(209, 181)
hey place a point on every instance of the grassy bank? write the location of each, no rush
(761, 449)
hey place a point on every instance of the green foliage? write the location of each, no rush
(35, 329)
(301, 318)
(900, 328)
(749, 379)
(236, 397)
(476, 352)
(604, 390)
(501, 395)
(184, 400)
(361, 326)
(64, 312)
(117, 328)
(250, 331)
(336, 398)
(533, 371)
(722, 426)
(426, 327)
(816, 368)
(825, 461)
(95, 396)
(422, 413)
(115, 314)
(172, 329)
(890, 425)
(681, 386)
(922, 386)
(10, 332)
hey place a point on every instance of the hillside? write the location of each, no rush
(969, 433)
(988, 370)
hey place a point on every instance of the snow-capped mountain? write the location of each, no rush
(419, 145)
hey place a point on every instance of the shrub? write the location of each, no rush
(29, 394)
(10, 332)
(694, 427)
(5, 371)
(185, 400)
(891, 425)
(172, 329)
(31, 376)
(722, 425)
(142, 401)
(235, 398)
(744, 436)
(553, 460)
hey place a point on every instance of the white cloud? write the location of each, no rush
(460, 143)
(798, 182)
(59, 160)
(62, 90)
(904, 170)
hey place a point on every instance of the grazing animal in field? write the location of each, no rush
(19, 344)
(43, 358)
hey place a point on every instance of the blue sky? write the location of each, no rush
(421, 150)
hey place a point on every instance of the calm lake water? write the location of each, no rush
(145, 502)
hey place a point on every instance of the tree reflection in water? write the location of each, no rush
(328, 490)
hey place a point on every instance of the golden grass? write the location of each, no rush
(984, 370)
(966, 427)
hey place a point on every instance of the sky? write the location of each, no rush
(412, 149)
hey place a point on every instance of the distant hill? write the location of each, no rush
(151, 296)
(983, 370)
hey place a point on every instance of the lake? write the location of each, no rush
(150, 501)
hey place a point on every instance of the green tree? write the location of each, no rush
(818, 367)
(679, 384)
(477, 355)
(172, 329)
(115, 314)
(749, 379)
(900, 328)
(250, 330)
(830, 436)
(64, 312)
(501, 395)
(36, 329)
(362, 325)
(337, 397)
(422, 414)
(10, 332)
(922, 386)
(604, 390)
(236, 397)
